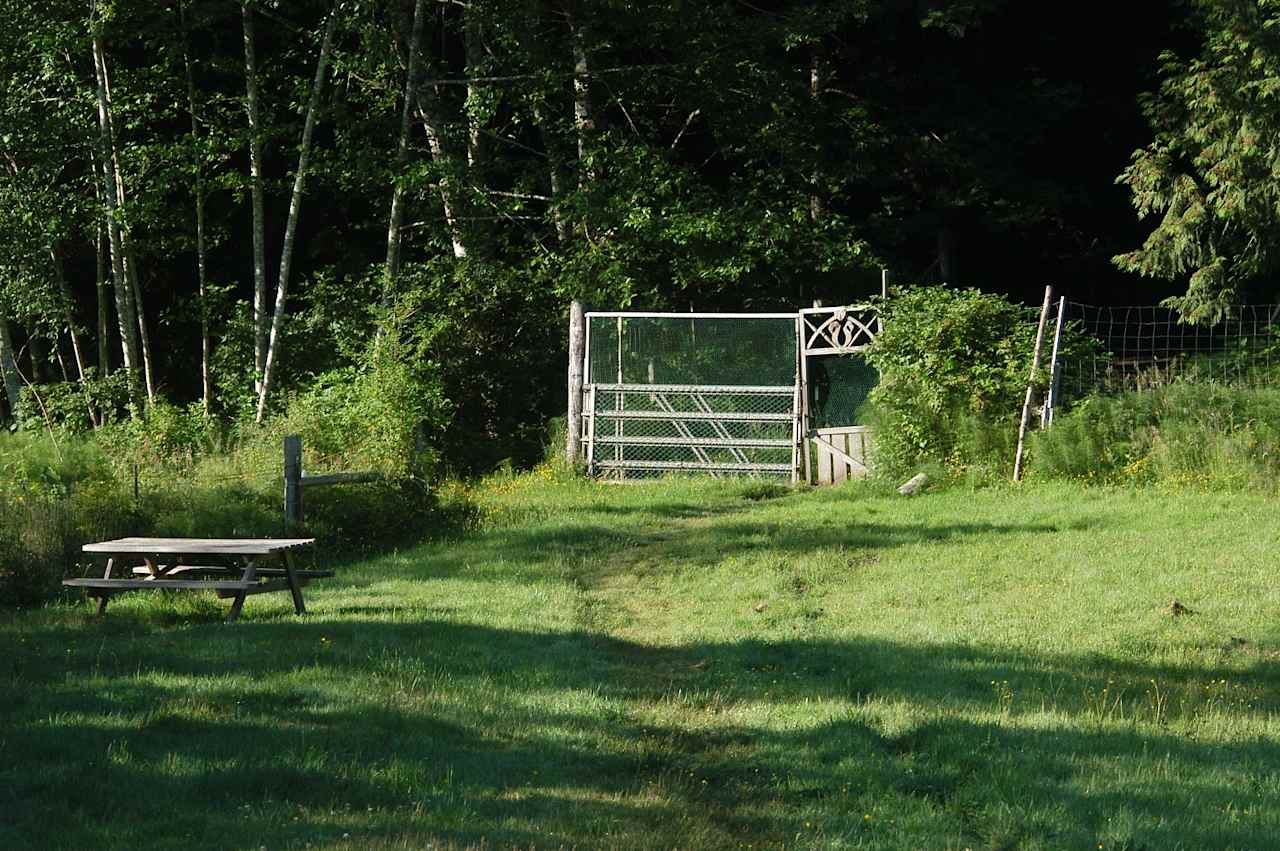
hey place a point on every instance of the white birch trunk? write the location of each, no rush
(583, 113)
(139, 312)
(256, 191)
(471, 36)
(104, 312)
(127, 324)
(448, 190)
(295, 207)
(206, 384)
(134, 293)
(396, 218)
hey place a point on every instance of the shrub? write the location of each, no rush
(953, 370)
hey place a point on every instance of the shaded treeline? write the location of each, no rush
(216, 201)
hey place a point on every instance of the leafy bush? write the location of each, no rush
(73, 406)
(378, 416)
(953, 370)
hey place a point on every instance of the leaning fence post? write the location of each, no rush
(1031, 383)
(577, 351)
(292, 481)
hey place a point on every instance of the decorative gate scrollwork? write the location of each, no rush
(837, 330)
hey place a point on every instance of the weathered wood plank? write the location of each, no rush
(338, 478)
(263, 588)
(295, 584)
(197, 546)
(155, 584)
(250, 578)
(213, 570)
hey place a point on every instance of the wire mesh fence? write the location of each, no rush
(839, 387)
(1140, 347)
(704, 349)
(714, 394)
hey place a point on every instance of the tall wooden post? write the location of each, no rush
(577, 353)
(1031, 384)
(292, 481)
(1050, 406)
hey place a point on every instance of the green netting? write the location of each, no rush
(838, 389)
(718, 351)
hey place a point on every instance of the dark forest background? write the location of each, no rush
(474, 166)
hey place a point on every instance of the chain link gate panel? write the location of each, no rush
(717, 394)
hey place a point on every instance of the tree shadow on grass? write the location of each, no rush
(524, 553)
(560, 739)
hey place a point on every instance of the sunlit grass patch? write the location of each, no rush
(687, 664)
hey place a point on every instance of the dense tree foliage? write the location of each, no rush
(1212, 173)
(237, 201)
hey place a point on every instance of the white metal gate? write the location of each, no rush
(681, 392)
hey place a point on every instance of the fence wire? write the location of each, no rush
(1139, 347)
(695, 350)
(707, 394)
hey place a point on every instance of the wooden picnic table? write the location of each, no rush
(235, 568)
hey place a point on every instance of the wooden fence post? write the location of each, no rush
(1031, 385)
(577, 352)
(292, 481)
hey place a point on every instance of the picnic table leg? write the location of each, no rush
(102, 598)
(250, 574)
(294, 587)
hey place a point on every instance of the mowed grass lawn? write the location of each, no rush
(687, 665)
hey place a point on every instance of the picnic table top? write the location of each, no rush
(197, 546)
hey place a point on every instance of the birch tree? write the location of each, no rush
(198, 190)
(110, 191)
(396, 217)
(256, 192)
(295, 208)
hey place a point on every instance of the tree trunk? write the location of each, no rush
(124, 312)
(104, 314)
(396, 219)
(471, 33)
(295, 207)
(583, 114)
(38, 352)
(68, 306)
(9, 371)
(433, 127)
(68, 301)
(134, 293)
(206, 384)
(816, 206)
(554, 173)
(947, 250)
(139, 312)
(259, 216)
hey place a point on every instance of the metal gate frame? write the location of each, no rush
(596, 438)
(824, 331)
(818, 331)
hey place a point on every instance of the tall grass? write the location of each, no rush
(174, 475)
(1184, 434)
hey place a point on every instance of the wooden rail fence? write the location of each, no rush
(295, 480)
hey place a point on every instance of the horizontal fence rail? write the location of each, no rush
(637, 431)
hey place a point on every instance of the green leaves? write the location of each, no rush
(1211, 173)
(952, 362)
